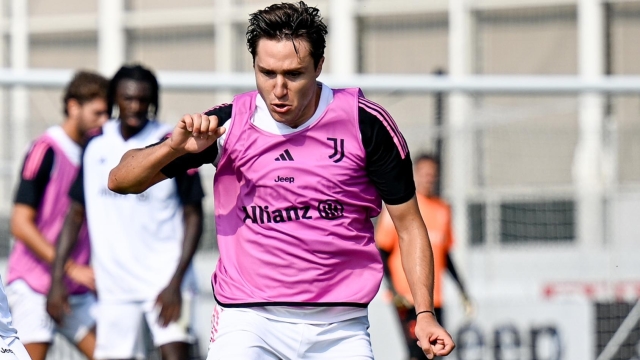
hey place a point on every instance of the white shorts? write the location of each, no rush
(120, 331)
(34, 325)
(245, 334)
(12, 349)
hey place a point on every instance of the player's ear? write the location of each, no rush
(319, 67)
(73, 108)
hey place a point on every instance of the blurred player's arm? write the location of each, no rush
(191, 194)
(57, 299)
(389, 168)
(57, 304)
(454, 274)
(140, 169)
(466, 300)
(448, 240)
(34, 179)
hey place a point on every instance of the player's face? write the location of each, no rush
(425, 174)
(92, 115)
(287, 81)
(133, 98)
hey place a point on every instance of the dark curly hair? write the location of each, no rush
(288, 21)
(138, 73)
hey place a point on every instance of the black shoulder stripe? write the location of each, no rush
(223, 112)
(388, 122)
(388, 166)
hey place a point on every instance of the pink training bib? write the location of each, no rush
(24, 264)
(293, 212)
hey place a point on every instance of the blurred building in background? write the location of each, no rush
(543, 173)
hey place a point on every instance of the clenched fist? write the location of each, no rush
(195, 133)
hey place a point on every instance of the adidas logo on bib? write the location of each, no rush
(285, 156)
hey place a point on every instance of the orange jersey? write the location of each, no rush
(437, 216)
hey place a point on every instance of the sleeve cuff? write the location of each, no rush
(399, 199)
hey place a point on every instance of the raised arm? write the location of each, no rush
(139, 169)
(417, 262)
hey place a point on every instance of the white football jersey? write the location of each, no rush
(136, 240)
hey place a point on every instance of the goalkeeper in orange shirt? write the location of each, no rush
(437, 216)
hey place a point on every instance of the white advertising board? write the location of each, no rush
(525, 329)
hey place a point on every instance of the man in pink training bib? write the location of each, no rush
(41, 204)
(301, 170)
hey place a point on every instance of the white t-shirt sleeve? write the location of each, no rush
(220, 142)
